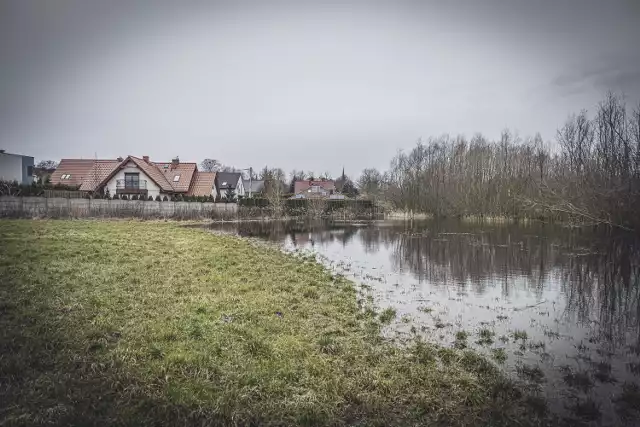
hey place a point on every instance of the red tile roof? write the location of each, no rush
(202, 184)
(184, 172)
(299, 186)
(78, 169)
(100, 170)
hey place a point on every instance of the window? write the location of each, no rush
(131, 180)
(176, 178)
(30, 170)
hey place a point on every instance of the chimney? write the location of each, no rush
(145, 158)
(175, 162)
(120, 159)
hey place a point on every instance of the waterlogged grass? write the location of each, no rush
(133, 323)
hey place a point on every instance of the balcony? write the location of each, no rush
(131, 187)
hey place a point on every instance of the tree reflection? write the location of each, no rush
(598, 278)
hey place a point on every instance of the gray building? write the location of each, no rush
(14, 167)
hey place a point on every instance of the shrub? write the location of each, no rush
(165, 199)
(150, 198)
(211, 199)
(158, 198)
(124, 197)
(134, 197)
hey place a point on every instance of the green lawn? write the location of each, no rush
(151, 323)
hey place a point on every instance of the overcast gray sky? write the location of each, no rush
(301, 84)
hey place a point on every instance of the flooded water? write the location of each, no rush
(561, 306)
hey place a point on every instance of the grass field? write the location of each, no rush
(150, 323)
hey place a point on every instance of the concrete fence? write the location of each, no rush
(30, 207)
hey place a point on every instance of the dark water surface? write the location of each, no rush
(561, 305)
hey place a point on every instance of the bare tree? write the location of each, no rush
(274, 188)
(47, 164)
(370, 183)
(594, 178)
(210, 165)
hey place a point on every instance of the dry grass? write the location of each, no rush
(150, 323)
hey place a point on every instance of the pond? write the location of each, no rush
(558, 309)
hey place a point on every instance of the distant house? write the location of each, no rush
(315, 189)
(135, 176)
(253, 188)
(226, 181)
(15, 167)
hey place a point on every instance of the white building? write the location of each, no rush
(15, 167)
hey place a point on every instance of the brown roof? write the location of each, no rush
(299, 186)
(77, 168)
(152, 171)
(184, 171)
(202, 184)
(100, 170)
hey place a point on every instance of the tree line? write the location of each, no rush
(591, 174)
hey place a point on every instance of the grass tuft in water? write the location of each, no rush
(499, 354)
(602, 372)
(530, 373)
(577, 379)
(587, 410)
(462, 335)
(461, 340)
(387, 315)
(520, 334)
(486, 336)
(628, 401)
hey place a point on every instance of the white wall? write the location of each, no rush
(10, 167)
(152, 189)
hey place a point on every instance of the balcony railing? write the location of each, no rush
(131, 187)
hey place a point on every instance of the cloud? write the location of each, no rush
(619, 74)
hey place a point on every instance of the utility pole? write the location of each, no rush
(250, 182)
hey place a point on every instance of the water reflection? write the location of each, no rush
(566, 302)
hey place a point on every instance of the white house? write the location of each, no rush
(15, 167)
(135, 176)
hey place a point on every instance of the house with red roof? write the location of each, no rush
(135, 176)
